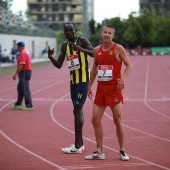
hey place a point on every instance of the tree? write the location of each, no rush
(6, 4)
(120, 27)
(147, 22)
(133, 34)
(163, 31)
(95, 31)
(144, 30)
(92, 27)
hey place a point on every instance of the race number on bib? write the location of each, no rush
(105, 72)
(73, 62)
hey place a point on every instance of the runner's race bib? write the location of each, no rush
(105, 72)
(73, 62)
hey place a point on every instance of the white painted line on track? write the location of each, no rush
(145, 93)
(139, 130)
(54, 99)
(93, 141)
(106, 166)
(30, 152)
(166, 68)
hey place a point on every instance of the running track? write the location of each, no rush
(32, 140)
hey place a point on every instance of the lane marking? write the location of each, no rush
(146, 89)
(93, 141)
(30, 152)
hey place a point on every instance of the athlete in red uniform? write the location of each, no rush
(108, 59)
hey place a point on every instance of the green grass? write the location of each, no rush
(12, 69)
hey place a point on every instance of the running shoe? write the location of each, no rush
(73, 149)
(123, 156)
(72, 146)
(15, 106)
(95, 155)
(27, 108)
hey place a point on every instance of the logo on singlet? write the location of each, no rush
(100, 53)
(111, 52)
(115, 100)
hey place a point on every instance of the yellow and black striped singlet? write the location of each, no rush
(83, 73)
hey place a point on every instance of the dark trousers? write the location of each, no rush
(23, 88)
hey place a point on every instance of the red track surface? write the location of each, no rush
(32, 140)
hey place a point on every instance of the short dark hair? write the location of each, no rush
(70, 23)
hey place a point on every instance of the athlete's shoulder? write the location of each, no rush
(84, 42)
(98, 47)
(118, 45)
(65, 42)
(83, 39)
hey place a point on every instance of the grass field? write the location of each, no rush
(12, 69)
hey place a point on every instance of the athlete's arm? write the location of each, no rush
(125, 59)
(93, 73)
(57, 63)
(85, 46)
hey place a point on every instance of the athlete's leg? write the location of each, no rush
(96, 121)
(117, 110)
(78, 124)
(78, 96)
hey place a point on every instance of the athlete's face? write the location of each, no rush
(69, 31)
(107, 34)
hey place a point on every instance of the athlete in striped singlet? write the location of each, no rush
(77, 51)
(108, 59)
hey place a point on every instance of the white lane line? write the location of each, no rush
(166, 68)
(54, 99)
(107, 166)
(93, 141)
(30, 152)
(139, 130)
(34, 80)
(145, 93)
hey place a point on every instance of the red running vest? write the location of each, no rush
(109, 58)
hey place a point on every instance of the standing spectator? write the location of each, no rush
(76, 50)
(108, 59)
(14, 53)
(24, 72)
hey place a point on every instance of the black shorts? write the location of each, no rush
(79, 92)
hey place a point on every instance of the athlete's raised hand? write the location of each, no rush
(50, 52)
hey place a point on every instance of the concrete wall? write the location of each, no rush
(35, 45)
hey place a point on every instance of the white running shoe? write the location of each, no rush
(73, 149)
(123, 156)
(95, 155)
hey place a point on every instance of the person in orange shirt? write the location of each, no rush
(24, 72)
(108, 59)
